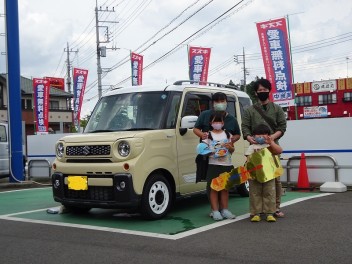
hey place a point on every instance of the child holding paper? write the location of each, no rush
(262, 194)
(219, 142)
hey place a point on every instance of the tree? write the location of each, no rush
(250, 90)
(84, 121)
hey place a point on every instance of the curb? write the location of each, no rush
(35, 183)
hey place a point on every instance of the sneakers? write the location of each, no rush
(227, 214)
(256, 218)
(279, 214)
(270, 218)
(216, 215)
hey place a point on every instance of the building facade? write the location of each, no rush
(60, 115)
(322, 99)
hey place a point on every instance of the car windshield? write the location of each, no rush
(132, 111)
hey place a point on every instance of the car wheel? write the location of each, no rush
(243, 189)
(156, 197)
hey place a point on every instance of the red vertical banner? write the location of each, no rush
(198, 59)
(137, 68)
(275, 48)
(79, 85)
(41, 88)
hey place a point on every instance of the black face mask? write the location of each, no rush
(263, 96)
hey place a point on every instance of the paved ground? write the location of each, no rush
(315, 231)
(188, 216)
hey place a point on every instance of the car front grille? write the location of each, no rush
(92, 150)
(94, 193)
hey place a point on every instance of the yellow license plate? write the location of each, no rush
(78, 183)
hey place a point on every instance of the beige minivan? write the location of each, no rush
(138, 149)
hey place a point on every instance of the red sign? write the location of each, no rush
(79, 85)
(56, 82)
(273, 40)
(41, 88)
(198, 59)
(137, 68)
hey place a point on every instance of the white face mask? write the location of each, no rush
(220, 106)
(217, 126)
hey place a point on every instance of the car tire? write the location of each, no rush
(156, 198)
(243, 189)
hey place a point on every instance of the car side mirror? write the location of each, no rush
(187, 122)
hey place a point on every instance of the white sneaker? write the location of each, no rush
(227, 214)
(216, 216)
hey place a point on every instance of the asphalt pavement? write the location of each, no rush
(314, 231)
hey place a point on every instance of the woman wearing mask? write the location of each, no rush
(274, 113)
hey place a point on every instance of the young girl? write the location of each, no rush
(262, 195)
(221, 146)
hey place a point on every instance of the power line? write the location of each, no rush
(126, 59)
(185, 40)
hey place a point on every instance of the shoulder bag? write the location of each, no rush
(266, 118)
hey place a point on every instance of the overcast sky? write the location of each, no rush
(320, 30)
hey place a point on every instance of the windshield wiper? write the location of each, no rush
(101, 131)
(139, 128)
(130, 129)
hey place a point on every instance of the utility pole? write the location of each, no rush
(101, 51)
(245, 72)
(347, 58)
(68, 80)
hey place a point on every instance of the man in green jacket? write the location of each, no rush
(277, 120)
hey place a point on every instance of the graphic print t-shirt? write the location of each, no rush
(221, 155)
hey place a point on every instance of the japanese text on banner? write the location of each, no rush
(41, 88)
(274, 44)
(79, 85)
(137, 68)
(198, 64)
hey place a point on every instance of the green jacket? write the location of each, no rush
(252, 118)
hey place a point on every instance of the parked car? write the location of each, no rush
(138, 149)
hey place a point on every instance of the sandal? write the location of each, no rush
(279, 214)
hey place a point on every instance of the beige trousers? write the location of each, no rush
(278, 188)
(262, 197)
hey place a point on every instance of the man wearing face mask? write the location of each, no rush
(202, 126)
(252, 118)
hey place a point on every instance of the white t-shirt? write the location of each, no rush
(221, 155)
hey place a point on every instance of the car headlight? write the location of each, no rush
(124, 148)
(60, 149)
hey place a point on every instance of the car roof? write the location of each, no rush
(179, 86)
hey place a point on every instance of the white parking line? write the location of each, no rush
(148, 234)
(29, 189)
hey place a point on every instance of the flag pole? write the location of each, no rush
(293, 78)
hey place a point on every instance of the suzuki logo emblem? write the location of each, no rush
(86, 150)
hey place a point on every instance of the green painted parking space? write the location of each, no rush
(187, 214)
